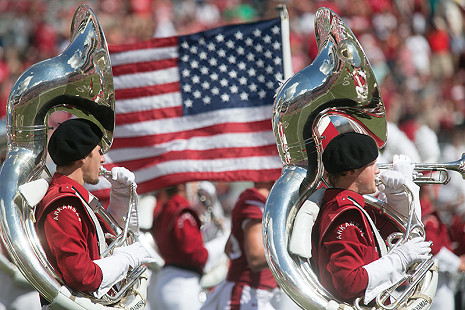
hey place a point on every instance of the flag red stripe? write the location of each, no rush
(149, 140)
(144, 66)
(262, 175)
(142, 116)
(230, 152)
(151, 90)
(152, 43)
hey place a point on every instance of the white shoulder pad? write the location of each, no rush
(300, 242)
(34, 191)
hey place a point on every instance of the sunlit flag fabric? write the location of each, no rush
(197, 107)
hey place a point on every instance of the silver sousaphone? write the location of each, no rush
(338, 92)
(81, 74)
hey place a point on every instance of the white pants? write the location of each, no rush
(15, 295)
(174, 289)
(251, 298)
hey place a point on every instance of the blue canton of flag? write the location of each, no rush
(220, 69)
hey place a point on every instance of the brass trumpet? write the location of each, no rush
(426, 175)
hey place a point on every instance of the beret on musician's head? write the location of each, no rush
(349, 151)
(72, 140)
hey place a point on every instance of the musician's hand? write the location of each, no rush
(462, 263)
(412, 251)
(136, 254)
(392, 182)
(121, 177)
(403, 164)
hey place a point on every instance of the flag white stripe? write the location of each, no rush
(187, 166)
(190, 122)
(142, 104)
(143, 55)
(230, 140)
(151, 78)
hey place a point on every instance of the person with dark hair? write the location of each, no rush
(348, 248)
(72, 234)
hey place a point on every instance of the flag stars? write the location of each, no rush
(239, 35)
(232, 59)
(275, 30)
(230, 68)
(219, 38)
(223, 68)
(267, 39)
(250, 57)
(213, 62)
(222, 53)
(194, 64)
(195, 79)
(187, 88)
(224, 82)
(204, 70)
(193, 49)
(186, 73)
(225, 97)
(197, 94)
(233, 74)
(188, 103)
(211, 46)
(203, 55)
(205, 85)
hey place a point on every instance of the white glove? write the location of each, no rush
(392, 182)
(412, 251)
(115, 267)
(403, 164)
(384, 272)
(121, 179)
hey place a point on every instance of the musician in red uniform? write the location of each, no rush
(348, 253)
(449, 264)
(72, 235)
(176, 229)
(249, 283)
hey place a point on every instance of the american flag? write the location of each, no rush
(197, 107)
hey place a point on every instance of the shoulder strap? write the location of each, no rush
(91, 207)
(379, 240)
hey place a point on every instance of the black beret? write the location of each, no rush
(349, 151)
(73, 139)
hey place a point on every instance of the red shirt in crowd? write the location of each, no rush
(176, 229)
(68, 234)
(249, 206)
(343, 242)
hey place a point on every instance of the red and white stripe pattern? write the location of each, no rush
(168, 132)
